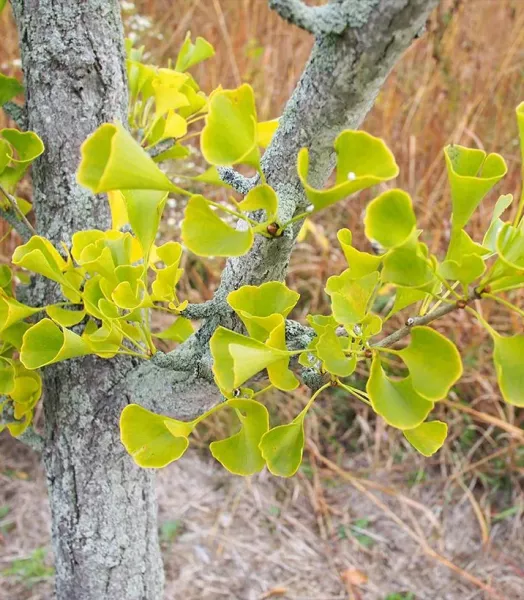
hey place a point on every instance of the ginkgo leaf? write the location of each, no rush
(27, 390)
(407, 267)
(148, 440)
(466, 271)
(12, 311)
(508, 357)
(490, 238)
(230, 134)
(261, 197)
(113, 160)
(396, 402)
(40, 256)
(205, 234)
(255, 305)
(330, 349)
(427, 438)
(144, 210)
(178, 331)
(471, 175)
(45, 343)
(360, 263)
(405, 297)
(510, 246)
(282, 447)
(191, 54)
(104, 341)
(7, 376)
(65, 317)
(240, 453)
(350, 297)
(236, 358)
(27, 144)
(279, 373)
(362, 161)
(520, 124)
(433, 361)
(390, 219)
(266, 131)
(9, 86)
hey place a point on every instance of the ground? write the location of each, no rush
(313, 537)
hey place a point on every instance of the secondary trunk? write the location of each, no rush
(103, 507)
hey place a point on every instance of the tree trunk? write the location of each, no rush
(103, 506)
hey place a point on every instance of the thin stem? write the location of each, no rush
(354, 392)
(313, 398)
(14, 205)
(482, 321)
(296, 218)
(232, 212)
(263, 390)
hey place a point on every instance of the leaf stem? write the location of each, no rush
(359, 394)
(504, 302)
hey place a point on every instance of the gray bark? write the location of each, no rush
(103, 506)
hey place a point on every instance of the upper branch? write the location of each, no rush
(17, 113)
(330, 18)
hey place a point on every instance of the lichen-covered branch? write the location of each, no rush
(242, 185)
(334, 17)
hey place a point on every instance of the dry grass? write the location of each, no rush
(460, 83)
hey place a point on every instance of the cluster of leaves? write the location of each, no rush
(111, 280)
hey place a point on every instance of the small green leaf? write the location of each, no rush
(362, 161)
(360, 263)
(490, 239)
(65, 317)
(12, 311)
(350, 297)
(433, 361)
(427, 438)
(144, 209)
(147, 438)
(261, 197)
(27, 144)
(45, 343)
(27, 390)
(265, 132)
(255, 305)
(466, 271)
(396, 402)
(104, 341)
(330, 349)
(510, 246)
(407, 267)
(191, 54)
(7, 376)
(9, 86)
(205, 234)
(508, 357)
(113, 160)
(390, 219)
(471, 174)
(176, 152)
(405, 297)
(230, 134)
(240, 453)
(282, 447)
(236, 358)
(40, 256)
(178, 331)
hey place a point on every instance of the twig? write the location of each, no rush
(17, 113)
(331, 18)
(22, 225)
(238, 182)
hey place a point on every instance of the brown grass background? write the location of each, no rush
(460, 83)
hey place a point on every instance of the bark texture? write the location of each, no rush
(103, 506)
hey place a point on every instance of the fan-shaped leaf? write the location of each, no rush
(427, 438)
(508, 357)
(282, 447)
(390, 219)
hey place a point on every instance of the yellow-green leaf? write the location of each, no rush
(205, 234)
(144, 209)
(471, 175)
(191, 54)
(45, 343)
(390, 219)
(282, 447)
(362, 161)
(508, 357)
(265, 132)
(240, 453)
(230, 134)
(178, 331)
(113, 160)
(427, 438)
(330, 349)
(261, 197)
(40, 256)
(9, 86)
(12, 311)
(350, 297)
(396, 402)
(360, 263)
(64, 316)
(433, 361)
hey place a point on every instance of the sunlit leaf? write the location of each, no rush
(330, 349)
(390, 219)
(40, 256)
(12, 311)
(360, 263)
(7, 376)
(350, 297)
(27, 144)
(205, 234)
(45, 343)
(396, 402)
(261, 197)
(144, 209)
(240, 453)
(508, 357)
(427, 438)
(230, 134)
(178, 331)
(191, 54)
(282, 447)
(65, 317)
(471, 174)
(265, 132)
(433, 361)
(9, 86)
(147, 439)
(362, 161)
(490, 238)
(405, 297)
(407, 267)
(113, 160)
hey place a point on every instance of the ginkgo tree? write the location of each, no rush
(76, 303)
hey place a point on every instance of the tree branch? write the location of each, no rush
(17, 221)
(17, 113)
(331, 18)
(242, 185)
